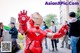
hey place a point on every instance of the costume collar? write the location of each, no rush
(72, 20)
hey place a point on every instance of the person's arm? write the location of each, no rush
(11, 32)
(23, 19)
(14, 31)
(58, 34)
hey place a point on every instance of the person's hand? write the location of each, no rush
(50, 35)
(48, 30)
(22, 17)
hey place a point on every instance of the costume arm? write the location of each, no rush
(23, 19)
(58, 34)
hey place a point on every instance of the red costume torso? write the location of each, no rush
(34, 40)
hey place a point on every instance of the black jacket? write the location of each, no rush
(13, 32)
(74, 29)
(1, 31)
(46, 27)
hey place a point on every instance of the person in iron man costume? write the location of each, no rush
(30, 26)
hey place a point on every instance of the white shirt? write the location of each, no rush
(53, 28)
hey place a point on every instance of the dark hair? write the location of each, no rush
(66, 21)
(46, 27)
(44, 23)
(12, 23)
(72, 14)
(52, 21)
(1, 24)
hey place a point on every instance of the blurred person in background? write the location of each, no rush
(44, 27)
(78, 46)
(15, 47)
(1, 32)
(65, 39)
(13, 31)
(74, 31)
(78, 43)
(53, 41)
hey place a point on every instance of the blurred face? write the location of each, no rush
(65, 22)
(70, 17)
(1, 25)
(43, 23)
(52, 23)
(37, 18)
(12, 25)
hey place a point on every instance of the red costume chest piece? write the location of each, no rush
(34, 39)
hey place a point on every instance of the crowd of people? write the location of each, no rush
(73, 35)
